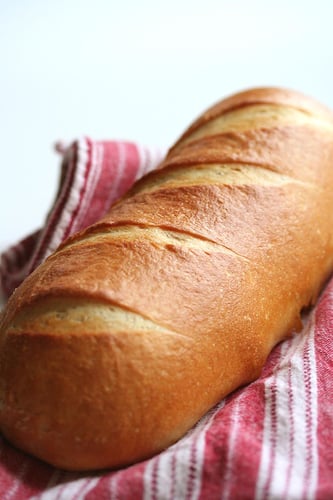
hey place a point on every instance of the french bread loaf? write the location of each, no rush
(123, 338)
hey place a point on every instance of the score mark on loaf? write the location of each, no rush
(116, 345)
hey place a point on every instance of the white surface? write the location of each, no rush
(137, 70)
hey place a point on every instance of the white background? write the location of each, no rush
(136, 70)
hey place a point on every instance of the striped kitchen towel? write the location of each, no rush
(272, 439)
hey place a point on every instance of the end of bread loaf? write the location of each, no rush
(116, 345)
(88, 385)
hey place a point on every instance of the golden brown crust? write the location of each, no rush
(117, 344)
(281, 149)
(251, 97)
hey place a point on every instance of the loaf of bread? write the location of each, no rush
(134, 328)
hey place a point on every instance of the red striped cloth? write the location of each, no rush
(270, 440)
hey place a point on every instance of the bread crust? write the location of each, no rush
(123, 338)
